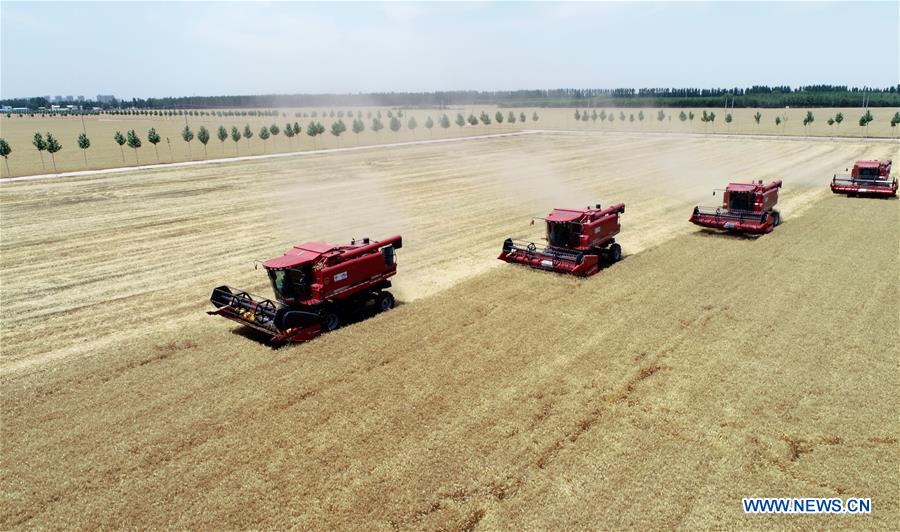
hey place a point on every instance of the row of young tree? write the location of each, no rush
(49, 143)
(710, 117)
(182, 112)
(217, 113)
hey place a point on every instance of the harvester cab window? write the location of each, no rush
(559, 234)
(740, 201)
(288, 284)
(279, 281)
(868, 172)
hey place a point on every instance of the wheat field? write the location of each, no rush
(701, 369)
(105, 153)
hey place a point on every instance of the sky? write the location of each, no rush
(144, 49)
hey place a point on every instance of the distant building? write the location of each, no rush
(21, 110)
(70, 98)
(57, 99)
(80, 98)
(6, 108)
(106, 98)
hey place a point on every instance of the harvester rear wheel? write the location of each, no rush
(615, 253)
(776, 218)
(384, 301)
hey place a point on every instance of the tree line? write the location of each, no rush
(754, 96)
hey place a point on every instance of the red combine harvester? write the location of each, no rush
(746, 208)
(577, 240)
(316, 286)
(868, 178)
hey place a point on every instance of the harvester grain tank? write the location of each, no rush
(746, 208)
(868, 178)
(317, 286)
(577, 241)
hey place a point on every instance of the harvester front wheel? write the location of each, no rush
(330, 320)
(384, 301)
(615, 253)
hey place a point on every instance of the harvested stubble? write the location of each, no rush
(657, 393)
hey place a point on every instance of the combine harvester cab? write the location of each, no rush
(746, 208)
(317, 286)
(576, 242)
(868, 178)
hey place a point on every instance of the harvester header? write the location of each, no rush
(868, 178)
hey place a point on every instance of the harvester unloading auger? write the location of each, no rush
(317, 286)
(576, 241)
(746, 208)
(868, 178)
